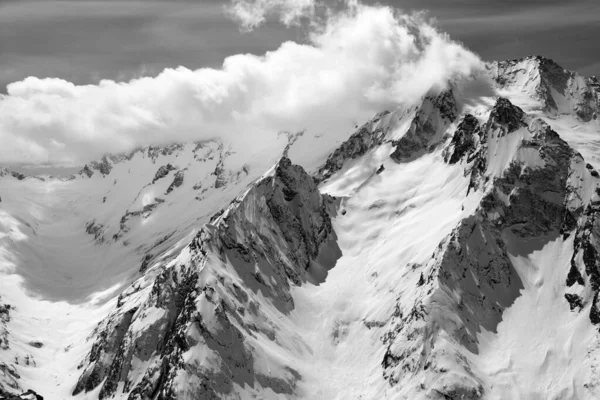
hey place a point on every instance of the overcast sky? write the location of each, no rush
(86, 40)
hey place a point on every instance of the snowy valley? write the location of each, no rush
(446, 249)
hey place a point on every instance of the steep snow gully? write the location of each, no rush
(447, 249)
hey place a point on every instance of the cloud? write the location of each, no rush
(356, 63)
(252, 13)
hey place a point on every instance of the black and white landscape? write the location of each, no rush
(376, 213)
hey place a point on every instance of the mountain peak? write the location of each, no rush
(428, 126)
(506, 116)
(267, 240)
(559, 90)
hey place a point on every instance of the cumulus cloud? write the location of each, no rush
(356, 63)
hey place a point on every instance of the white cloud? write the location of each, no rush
(358, 62)
(252, 13)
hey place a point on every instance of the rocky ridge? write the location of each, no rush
(540, 191)
(367, 137)
(427, 124)
(205, 301)
(427, 127)
(559, 90)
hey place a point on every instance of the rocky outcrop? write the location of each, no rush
(28, 395)
(104, 352)
(427, 127)
(583, 279)
(146, 262)
(219, 172)
(105, 165)
(177, 181)
(505, 118)
(123, 223)
(9, 376)
(95, 229)
(465, 140)
(14, 174)
(199, 320)
(367, 137)
(154, 152)
(5, 310)
(162, 172)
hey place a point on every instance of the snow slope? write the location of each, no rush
(69, 247)
(444, 250)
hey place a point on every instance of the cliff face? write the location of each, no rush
(427, 127)
(196, 331)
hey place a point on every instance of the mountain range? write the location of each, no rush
(446, 249)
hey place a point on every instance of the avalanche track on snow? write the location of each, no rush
(447, 249)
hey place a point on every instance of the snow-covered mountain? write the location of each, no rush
(444, 250)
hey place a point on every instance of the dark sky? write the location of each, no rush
(87, 40)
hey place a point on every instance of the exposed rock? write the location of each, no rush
(465, 141)
(473, 260)
(14, 174)
(177, 181)
(145, 262)
(275, 230)
(427, 127)
(219, 172)
(96, 230)
(103, 166)
(87, 171)
(107, 162)
(18, 175)
(28, 395)
(162, 172)
(292, 138)
(585, 262)
(505, 118)
(368, 136)
(5, 310)
(143, 213)
(10, 378)
(104, 352)
(166, 150)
